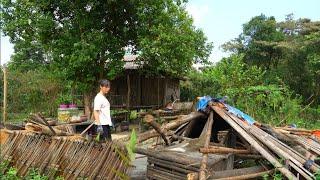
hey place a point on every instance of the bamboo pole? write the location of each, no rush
(223, 150)
(203, 167)
(5, 93)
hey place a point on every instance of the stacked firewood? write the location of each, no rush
(39, 124)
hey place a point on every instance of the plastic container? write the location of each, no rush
(63, 106)
(63, 115)
(73, 106)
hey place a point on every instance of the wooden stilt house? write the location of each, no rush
(133, 90)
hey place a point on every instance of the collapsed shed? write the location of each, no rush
(208, 145)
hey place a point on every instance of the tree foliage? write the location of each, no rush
(86, 40)
(288, 50)
(168, 41)
(31, 92)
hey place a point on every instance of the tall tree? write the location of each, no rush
(85, 40)
(258, 42)
(167, 39)
(289, 50)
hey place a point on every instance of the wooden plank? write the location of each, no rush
(169, 156)
(168, 170)
(172, 165)
(157, 174)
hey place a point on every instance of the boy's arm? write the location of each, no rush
(96, 116)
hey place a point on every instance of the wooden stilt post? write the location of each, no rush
(203, 167)
(5, 93)
(128, 95)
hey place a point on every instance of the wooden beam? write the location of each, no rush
(150, 120)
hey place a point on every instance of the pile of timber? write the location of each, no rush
(290, 162)
(172, 164)
(37, 123)
(292, 152)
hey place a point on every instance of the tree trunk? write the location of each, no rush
(87, 99)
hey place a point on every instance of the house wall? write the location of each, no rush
(145, 90)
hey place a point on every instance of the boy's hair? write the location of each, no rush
(105, 83)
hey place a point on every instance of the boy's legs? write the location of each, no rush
(106, 132)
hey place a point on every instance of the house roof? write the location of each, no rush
(130, 62)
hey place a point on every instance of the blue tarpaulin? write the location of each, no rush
(203, 103)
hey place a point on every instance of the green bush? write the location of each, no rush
(11, 174)
(246, 88)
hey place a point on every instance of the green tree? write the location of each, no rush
(258, 42)
(288, 50)
(167, 40)
(300, 59)
(86, 40)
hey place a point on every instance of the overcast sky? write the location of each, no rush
(221, 20)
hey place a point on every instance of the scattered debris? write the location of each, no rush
(208, 144)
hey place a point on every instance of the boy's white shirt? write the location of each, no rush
(102, 105)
